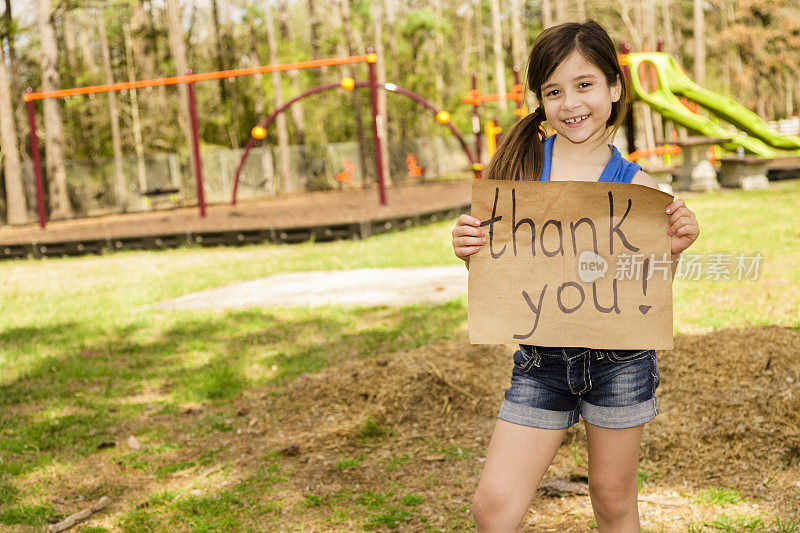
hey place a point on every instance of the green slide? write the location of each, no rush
(759, 139)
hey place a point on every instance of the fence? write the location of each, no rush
(166, 180)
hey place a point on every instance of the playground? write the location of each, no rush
(273, 337)
(335, 417)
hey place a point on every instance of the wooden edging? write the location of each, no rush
(351, 230)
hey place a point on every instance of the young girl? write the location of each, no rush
(574, 72)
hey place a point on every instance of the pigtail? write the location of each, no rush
(520, 155)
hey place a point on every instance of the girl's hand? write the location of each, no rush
(682, 226)
(468, 237)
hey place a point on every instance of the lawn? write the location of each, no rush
(86, 360)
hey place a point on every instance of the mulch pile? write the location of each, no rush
(730, 416)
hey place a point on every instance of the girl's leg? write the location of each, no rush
(516, 461)
(613, 477)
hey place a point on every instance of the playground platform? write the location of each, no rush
(321, 216)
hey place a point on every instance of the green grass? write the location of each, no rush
(718, 496)
(84, 352)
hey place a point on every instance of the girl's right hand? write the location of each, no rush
(468, 237)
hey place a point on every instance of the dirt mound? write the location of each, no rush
(729, 417)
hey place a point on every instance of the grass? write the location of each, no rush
(84, 352)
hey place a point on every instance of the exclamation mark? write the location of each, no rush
(645, 271)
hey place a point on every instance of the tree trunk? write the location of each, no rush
(390, 8)
(141, 171)
(287, 184)
(60, 207)
(116, 141)
(380, 72)
(666, 21)
(219, 52)
(16, 84)
(258, 78)
(497, 42)
(315, 26)
(16, 206)
(298, 116)
(561, 16)
(699, 43)
(438, 54)
(177, 49)
(547, 14)
(518, 44)
(352, 39)
(483, 76)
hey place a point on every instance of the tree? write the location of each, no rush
(296, 110)
(699, 43)
(119, 174)
(287, 183)
(499, 67)
(178, 53)
(16, 210)
(54, 133)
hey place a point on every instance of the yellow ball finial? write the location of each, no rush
(371, 58)
(348, 83)
(443, 117)
(258, 132)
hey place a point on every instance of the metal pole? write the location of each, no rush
(377, 126)
(37, 167)
(476, 129)
(196, 148)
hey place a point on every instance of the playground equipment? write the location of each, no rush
(349, 84)
(258, 132)
(671, 80)
(475, 98)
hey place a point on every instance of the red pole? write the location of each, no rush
(377, 126)
(196, 148)
(476, 129)
(37, 166)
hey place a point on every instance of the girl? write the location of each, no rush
(574, 72)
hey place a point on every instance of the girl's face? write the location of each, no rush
(577, 100)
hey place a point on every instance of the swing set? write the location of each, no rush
(259, 131)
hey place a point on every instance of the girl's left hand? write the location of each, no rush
(682, 226)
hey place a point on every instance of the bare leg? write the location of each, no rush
(517, 459)
(613, 479)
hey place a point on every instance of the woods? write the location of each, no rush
(743, 48)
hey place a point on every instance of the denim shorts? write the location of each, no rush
(551, 387)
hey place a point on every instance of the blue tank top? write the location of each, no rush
(617, 170)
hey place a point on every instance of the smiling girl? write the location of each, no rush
(574, 72)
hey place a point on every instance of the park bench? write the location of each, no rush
(747, 172)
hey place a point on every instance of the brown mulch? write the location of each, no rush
(730, 417)
(311, 209)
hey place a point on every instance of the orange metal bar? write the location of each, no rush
(197, 77)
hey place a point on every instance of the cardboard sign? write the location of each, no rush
(571, 264)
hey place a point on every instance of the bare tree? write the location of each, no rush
(298, 117)
(699, 43)
(178, 52)
(116, 141)
(54, 132)
(287, 183)
(497, 43)
(138, 143)
(518, 42)
(353, 42)
(547, 13)
(16, 207)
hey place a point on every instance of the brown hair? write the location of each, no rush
(521, 153)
